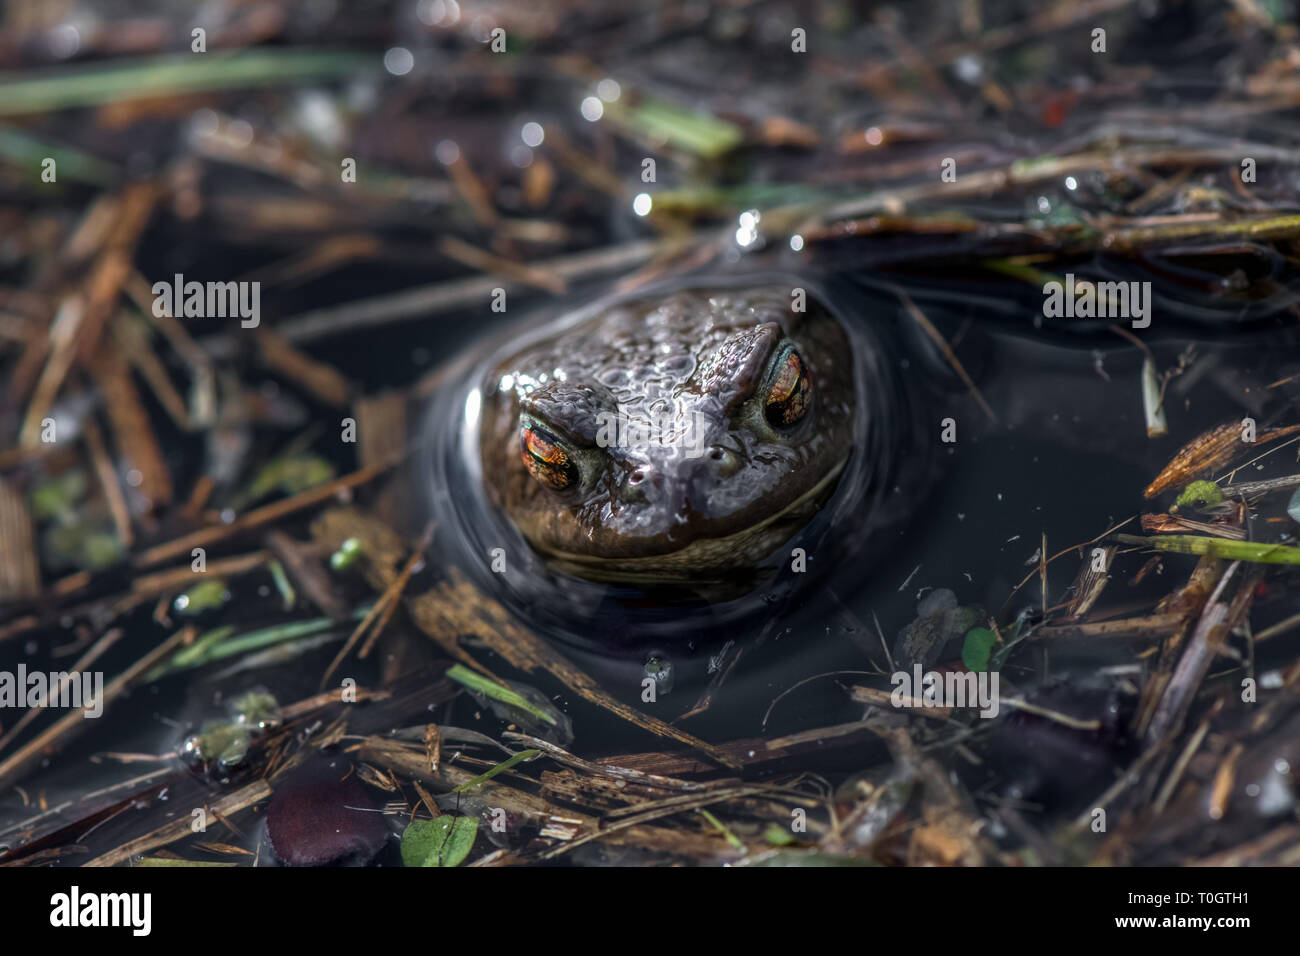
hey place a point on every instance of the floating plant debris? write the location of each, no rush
(207, 595)
(1213, 451)
(443, 841)
(1027, 273)
(939, 619)
(517, 703)
(321, 814)
(220, 746)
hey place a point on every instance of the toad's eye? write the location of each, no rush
(790, 393)
(546, 458)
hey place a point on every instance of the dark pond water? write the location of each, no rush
(1060, 456)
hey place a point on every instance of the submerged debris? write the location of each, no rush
(939, 619)
(218, 748)
(1213, 451)
(321, 814)
(517, 703)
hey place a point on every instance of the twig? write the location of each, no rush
(259, 517)
(948, 353)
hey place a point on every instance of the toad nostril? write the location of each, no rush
(636, 477)
(723, 462)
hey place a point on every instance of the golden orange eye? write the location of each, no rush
(545, 459)
(790, 394)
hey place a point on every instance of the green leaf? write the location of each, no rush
(778, 835)
(282, 584)
(207, 595)
(499, 768)
(1258, 552)
(1012, 635)
(443, 841)
(165, 861)
(58, 496)
(21, 148)
(721, 828)
(221, 643)
(290, 474)
(490, 688)
(700, 134)
(55, 88)
(975, 651)
(788, 856)
(1200, 495)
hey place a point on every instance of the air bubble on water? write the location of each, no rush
(609, 90)
(481, 28)
(64, 41)
(642, 204)
(319, 116)
(204, 122)
(592, 109)
(446, 152)
(747, 233)
(398, 61)
(968, 68)
(532, 134)
(437, 13)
